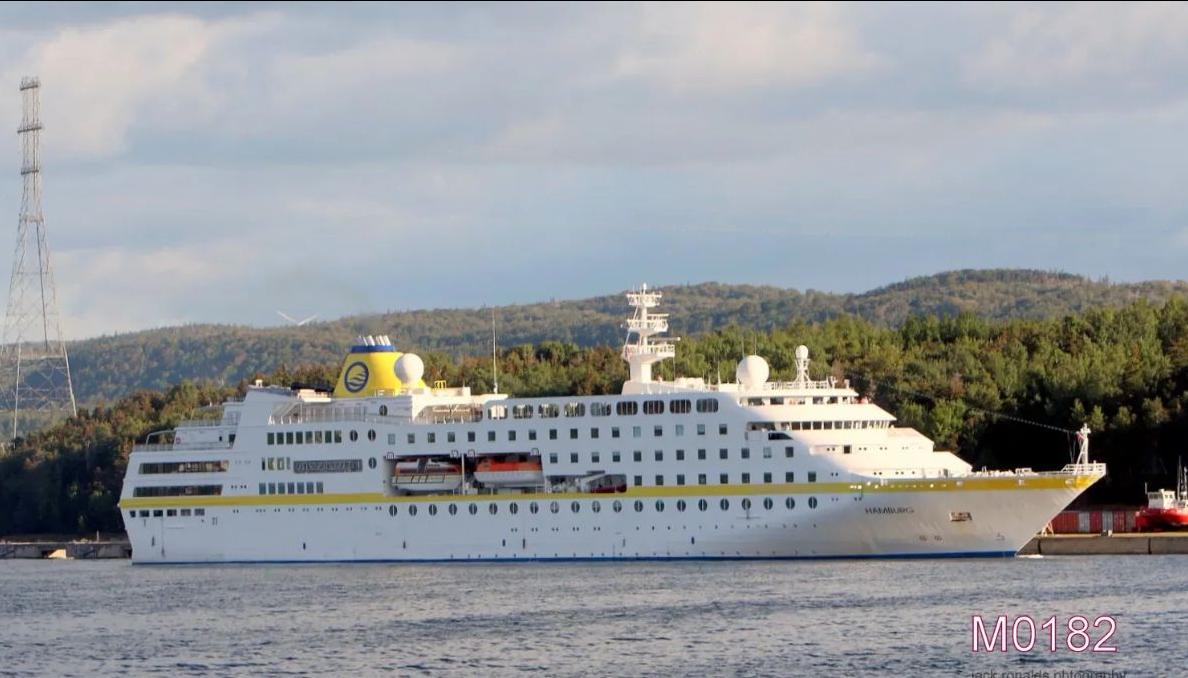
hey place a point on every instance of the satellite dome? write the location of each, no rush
(752, 371)
(801, 352)
(409, 369)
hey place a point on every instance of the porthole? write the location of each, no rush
(595, 506)
(473, 508)
(453, 509)
(412, 510)
(354, 436)
(638, 506)
(790, 503)
(725, 504)
(617, 506)
(492, 508)
(554, 507)
(392, 510)
(575, 507)
(433, 509)
(659, 506)
(383, 410)
(513, 508)
(680, 504)
(768, 503)
(702, 505)
(812, 502)
(533, 507)
(746, 504)
(371, 435)
(371, 463)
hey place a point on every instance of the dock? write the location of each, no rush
(82, 550)
(1116, 544)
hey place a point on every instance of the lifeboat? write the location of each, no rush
(1166, 510)
(424, 476)
(512, 471)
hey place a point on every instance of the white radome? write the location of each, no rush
(752, 371)
(409, 369)
(801, 352)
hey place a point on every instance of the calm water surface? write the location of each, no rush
(834, 618)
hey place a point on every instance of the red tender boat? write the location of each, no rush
(1166, 510)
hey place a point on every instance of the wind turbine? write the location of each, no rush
(297, 323)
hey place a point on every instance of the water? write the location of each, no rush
(906, 617)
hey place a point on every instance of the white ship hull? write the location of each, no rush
(854, 523)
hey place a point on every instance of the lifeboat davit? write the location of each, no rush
(514, 471)
(427, 476)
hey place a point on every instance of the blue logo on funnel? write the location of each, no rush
(355, 377)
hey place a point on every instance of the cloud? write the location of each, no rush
(1132, 45)
(717, 47)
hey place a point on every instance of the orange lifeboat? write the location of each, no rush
(509, 471)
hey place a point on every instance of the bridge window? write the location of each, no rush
(575, 410)
(549, 411)
(178, 491)
(627, 408)
(705, 405)
(653, 407)
(680, 406)
(600, 409)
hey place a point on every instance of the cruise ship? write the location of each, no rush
(389, 468)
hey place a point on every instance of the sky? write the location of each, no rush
(218, 162)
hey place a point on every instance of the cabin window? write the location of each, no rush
(789, 451)
(271, 438)
(511, 435)
(319, 487)
(338, 436)
(812, 476)
(637, 455)
(627, 408)
(767, 477)
(659, 455)
(767, 453)
(594, 457)
(490, 436)
(552, 434)
(746, 504)
(532, 434)
(371, 435)
(638, 506)
(271, 488)
(659, 480)
(680, 455)
(573, 457)
(288, 437)
(513, 508)
(533, 507)
(721, 429)
(680, 430)
(639, 481)
(701, 429)
(472, 509)
(575, 410)
(680, 480)
(614, 431)
(701, 454)
(171, 513)
(724, 479)
(573, 434)
(790, 477)
(600, 409)
(470, 435)
(657, 431)
(492, 508)
(552, 457)
(616, 506)
(453, 509)
(723, 453)
(701, 478)
(724, 504)
(263, 488)
(812, 502)
(429, 437)
(593, 434)
(575, 507)
(354, 435)
(451, 437)
(746, 453)
(616, 457)
(433, 509)
(554, 507)
(383, 410)
(659, 506)
(746, 478)
(653, 407)
(412, 510)
(681, 406)
(702, 505)
(790, 503)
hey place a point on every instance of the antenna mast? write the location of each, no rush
(494, 360)
(34, 367)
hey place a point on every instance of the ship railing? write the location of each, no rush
(209, 423)
(180, 447)
(1091, 469)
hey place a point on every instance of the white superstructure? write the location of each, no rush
(389, 468)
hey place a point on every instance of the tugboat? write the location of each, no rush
(1166, 510)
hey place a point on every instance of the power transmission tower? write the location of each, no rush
(36, 383)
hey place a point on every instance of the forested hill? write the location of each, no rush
(107, 368)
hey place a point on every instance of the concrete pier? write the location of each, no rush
(1130, 543)
(71, 549)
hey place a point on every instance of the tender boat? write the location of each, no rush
(1166, 510)
(516, 470)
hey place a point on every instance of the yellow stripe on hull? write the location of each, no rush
(765, 489)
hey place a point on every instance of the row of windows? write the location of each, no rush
(158, 513)
(149, 468)
(637, 455)
(308, 487)
(724, 478)
(624, 408)
(831, 425)
(310, 437)
(553, 434)
(658, 505)
(178, 491)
